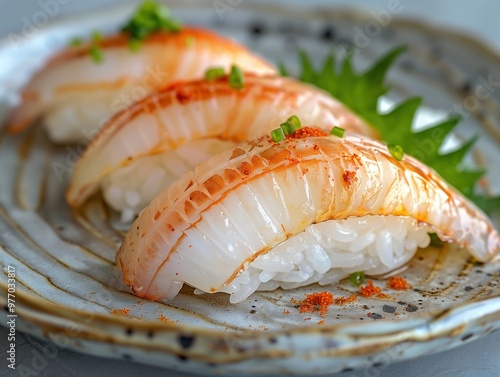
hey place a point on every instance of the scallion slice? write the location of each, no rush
(396, 151)
(96, 54)
(357, 278)
(150, 17)
(294, 121)
(134, 45)
(235, 77)
(97, 36)
(214, 73)
(277, 135)
(337, 131)
(75, 42)
(287, 128)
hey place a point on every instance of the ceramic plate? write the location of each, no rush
(68, 287)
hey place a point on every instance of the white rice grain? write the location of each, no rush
(329, 251)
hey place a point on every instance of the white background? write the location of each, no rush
(480, 18)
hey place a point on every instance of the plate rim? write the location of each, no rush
(29, 301)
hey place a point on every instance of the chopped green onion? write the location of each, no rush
(75, 42)
(337, 131)
(357, 278)
(277, 135)
(287, 128)
(134, 45)
(294, 122)
(291, 125)
(235, 78)
(215, 73)
(149, 18)
(97, 36)
(96, 54)
(190, 41)
(396, 151)
(161, 11)
(171, 25)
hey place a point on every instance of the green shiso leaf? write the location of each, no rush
(361, 92)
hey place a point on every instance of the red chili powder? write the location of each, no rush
(121, 312)
(349, 177)
(164, 319)
(305, 132)
(369, 290)
(398, 283)
(345, 300)
(318, 301)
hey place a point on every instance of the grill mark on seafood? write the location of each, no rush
(188, 111)
(73, 105)
(406, 188)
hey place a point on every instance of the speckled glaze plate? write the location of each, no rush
(68, 287)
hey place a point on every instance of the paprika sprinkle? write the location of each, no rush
(318, 301)
(398, 283)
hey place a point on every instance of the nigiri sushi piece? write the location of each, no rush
(145, 148)
(75, 95)
(307, 209)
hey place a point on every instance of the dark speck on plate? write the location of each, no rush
(389, 308)
(328, 34)
(468, 336)
(411, 308)
(257, 29)
(466, 87)
(374, 316)
(468, 288)
(401, 303)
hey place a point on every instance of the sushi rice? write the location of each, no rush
(131, 188)
(330, 251)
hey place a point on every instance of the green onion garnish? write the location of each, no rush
(149, 18)
(287, 128)
(337, 131)
(294, 121)
(96, 54)
(75, 42)
(215, 73)
(190, 41)
(277, 135)
(96, 36)
(291, 125)
(357, 278)
(134, 45)
(235, 78)
(171, 25)
(396, 151)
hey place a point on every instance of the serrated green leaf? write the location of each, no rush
(431, 140)
(486, 203)
(456, 157)
(395, 126)
(361, 93)
(308, 72)
(282, 70)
